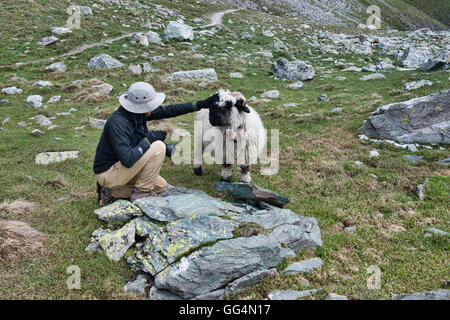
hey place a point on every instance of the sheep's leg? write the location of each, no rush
(245, 174)
(226, 172)
(198, 170)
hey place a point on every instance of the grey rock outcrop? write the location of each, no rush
(422, 120)
(440, 294)
(194, 247)
(104, 61)
(178, 31)
(412, 58)
(292, 70)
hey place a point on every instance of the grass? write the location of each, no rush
(317, 157)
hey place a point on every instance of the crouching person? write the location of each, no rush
(129, 157)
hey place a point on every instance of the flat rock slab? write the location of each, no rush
(208, 75)
(46, 158)
(441, 294)
(303, 266)
(246, 191)
(289, 294)
(422, 120)
(191, 244)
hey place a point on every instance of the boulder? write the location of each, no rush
(292, 70)
(104, 61)
(412, 58)
(46, 158)
(246, 191)
(178, 31)
(208, 75)
(118, 211)
(421, 120)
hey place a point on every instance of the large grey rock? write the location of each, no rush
(422, 120)
(412, 58)
(208, 75)
(178, 31)
(246, 191)
(292, 70)
(303, 266)
(104, 61)
(440, 294)
(211, 268)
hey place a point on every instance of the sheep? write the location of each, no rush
(242, 135)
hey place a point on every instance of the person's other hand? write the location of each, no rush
(210, 101)
(156, 135)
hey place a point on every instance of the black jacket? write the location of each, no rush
(124, 136)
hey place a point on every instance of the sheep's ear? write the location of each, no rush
(245, 109)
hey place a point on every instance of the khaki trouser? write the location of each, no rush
(144, 174)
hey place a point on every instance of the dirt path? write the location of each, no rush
(216, 19)
(71, 52)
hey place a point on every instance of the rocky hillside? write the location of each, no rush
(363, 120)
(401, 14)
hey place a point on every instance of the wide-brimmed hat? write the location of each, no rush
(141, 98)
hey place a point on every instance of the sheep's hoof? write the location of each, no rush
(226, 179)
(198, 171)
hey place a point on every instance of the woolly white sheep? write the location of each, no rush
(240, 137)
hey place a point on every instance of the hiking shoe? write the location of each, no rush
(104, 196)
(138, 194)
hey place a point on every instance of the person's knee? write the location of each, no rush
(159, 146)
(156, 150)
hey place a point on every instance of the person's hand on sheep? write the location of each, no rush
(210, 101)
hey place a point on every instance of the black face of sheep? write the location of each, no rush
(220, 113)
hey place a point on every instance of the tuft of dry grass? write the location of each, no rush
(91, 95)
(16, 208)
(17, 237)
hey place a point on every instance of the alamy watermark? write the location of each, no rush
(373, 22)
(74, 279)
(74, 20)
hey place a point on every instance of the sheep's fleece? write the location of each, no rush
(243, 125)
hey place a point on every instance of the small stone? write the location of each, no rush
(421, 191)
(4, 101)
(97, 123)
(11, 90)
(303, 266)
(134, 69)
(60, 30)
(37, 133)
(336, 110)
(295, 86)
(289, 294)
(322, 98)
(208, 75)
(236, 75)
(120, 210)
(373, 154)
(47, 41)
(42, 84)
(350, 229)
(104, 61)
(416, 84)
(373, 76)
(54, 99)
(147, 67)
(412, 158)
(272, 94)
(116, 243)
(438, 232)
(334, 296)
(104, 88)
(34, 101)
(358, 163)
(56, 67)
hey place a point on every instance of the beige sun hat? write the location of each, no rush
(141, 98)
